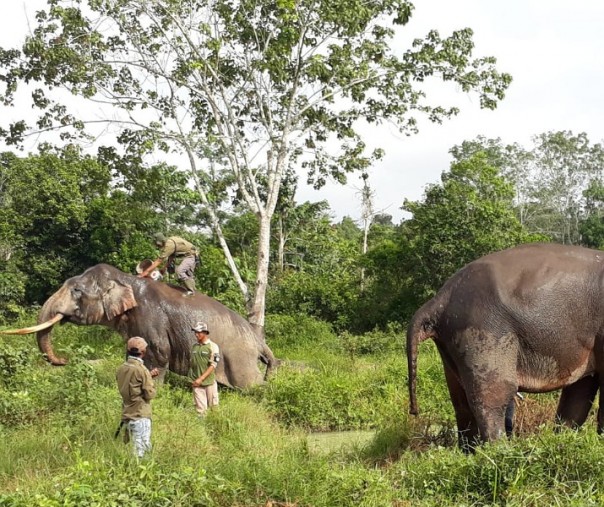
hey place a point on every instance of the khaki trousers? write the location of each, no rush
(205, 397)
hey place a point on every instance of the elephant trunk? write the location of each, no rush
(48, 313)
(45, 346)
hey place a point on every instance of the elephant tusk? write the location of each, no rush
(35, 329)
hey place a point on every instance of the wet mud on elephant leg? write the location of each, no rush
(490, 406)
(489, 374)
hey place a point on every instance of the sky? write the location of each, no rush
(554, 51)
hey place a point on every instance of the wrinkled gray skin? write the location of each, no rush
(529, 319)
(159, 313)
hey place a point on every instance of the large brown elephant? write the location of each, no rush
(531, 319)
(159, 313)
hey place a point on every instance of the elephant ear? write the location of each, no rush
(118, 299)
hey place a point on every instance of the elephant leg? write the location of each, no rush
(162, 375)
(268, 358)
(158, 358)
(576, 401)
(490, 405)
(601, 411)
(239, 374)
(489, 373)
(467, 429)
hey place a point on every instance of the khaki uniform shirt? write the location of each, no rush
(178, 247)
(137, 389)
(202, 357)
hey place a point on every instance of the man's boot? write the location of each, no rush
(189, 283)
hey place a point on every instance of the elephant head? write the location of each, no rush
(94, 297)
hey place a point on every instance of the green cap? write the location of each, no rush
(159, 238)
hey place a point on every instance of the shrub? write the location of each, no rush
(12, 291)
(374, 342)
(336, 395)
(29, 392)
(13, 361)
(327, 296)
(295, 332)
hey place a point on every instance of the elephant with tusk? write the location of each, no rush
(134, 306)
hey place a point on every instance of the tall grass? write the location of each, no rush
(58, 449)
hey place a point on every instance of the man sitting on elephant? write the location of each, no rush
(172, 248)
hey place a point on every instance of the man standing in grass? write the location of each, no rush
(205, 356)
(136, 387)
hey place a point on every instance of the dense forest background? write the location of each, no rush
(62, 211)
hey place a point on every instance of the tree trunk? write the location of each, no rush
(257, 303)
(281, 253)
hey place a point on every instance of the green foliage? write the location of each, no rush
(215, 279)
(325, 297)
(298, 332)
(26, 397)
(374, 342)
(389, 293)
(13, 361)
(12, 290)
(324, 384)
(591, 227)
(90, 483)
(541, 470)
(324, 280)
(555, 181)
(332, 393)
(252, 449)
(51, 198)
(46, 209)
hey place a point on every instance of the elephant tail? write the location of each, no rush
(268, 358)
(420, 328)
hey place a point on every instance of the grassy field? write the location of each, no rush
(329, 429)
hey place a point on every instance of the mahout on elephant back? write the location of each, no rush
(135, 306)
(530, 319)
